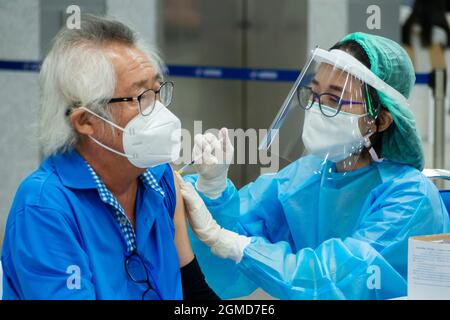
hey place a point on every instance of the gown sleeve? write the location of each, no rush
(368, 264)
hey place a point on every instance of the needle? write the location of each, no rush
(181, 171)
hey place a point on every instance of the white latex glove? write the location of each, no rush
(223, 243)
(212, 157)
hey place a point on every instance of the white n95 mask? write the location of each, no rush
(151, 140)
(335, 138)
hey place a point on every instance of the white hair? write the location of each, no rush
(77, 72)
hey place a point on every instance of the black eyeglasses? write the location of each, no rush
(147, 99)
(330, 104)
(136, 270)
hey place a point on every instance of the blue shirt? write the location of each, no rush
(67, 237)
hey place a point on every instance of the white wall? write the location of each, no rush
(327, 22)
(19, 38)
(139, 14)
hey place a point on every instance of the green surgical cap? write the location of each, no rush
(390, 62)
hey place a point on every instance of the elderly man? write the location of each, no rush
(102, 217)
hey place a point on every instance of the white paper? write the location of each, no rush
(428, 270)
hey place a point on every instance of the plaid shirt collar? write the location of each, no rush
(118, 212)
(76, 173)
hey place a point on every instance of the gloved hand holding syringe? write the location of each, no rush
(212, 157)
(216, 155)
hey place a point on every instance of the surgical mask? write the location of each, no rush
(151, 140)
(335, 138)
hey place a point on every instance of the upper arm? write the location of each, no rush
(44, 258)
(182, 243)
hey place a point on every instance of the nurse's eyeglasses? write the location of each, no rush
(136, 270)
(147, 99)
(329, 104)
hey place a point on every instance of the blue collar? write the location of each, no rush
(75, 173)
(72, 170)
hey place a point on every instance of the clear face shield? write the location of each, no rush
(328, 113)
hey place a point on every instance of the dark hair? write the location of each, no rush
(426, 14)
(356, 50)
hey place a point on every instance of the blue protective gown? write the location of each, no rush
(319, 234)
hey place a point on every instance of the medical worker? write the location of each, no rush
(335, 223)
